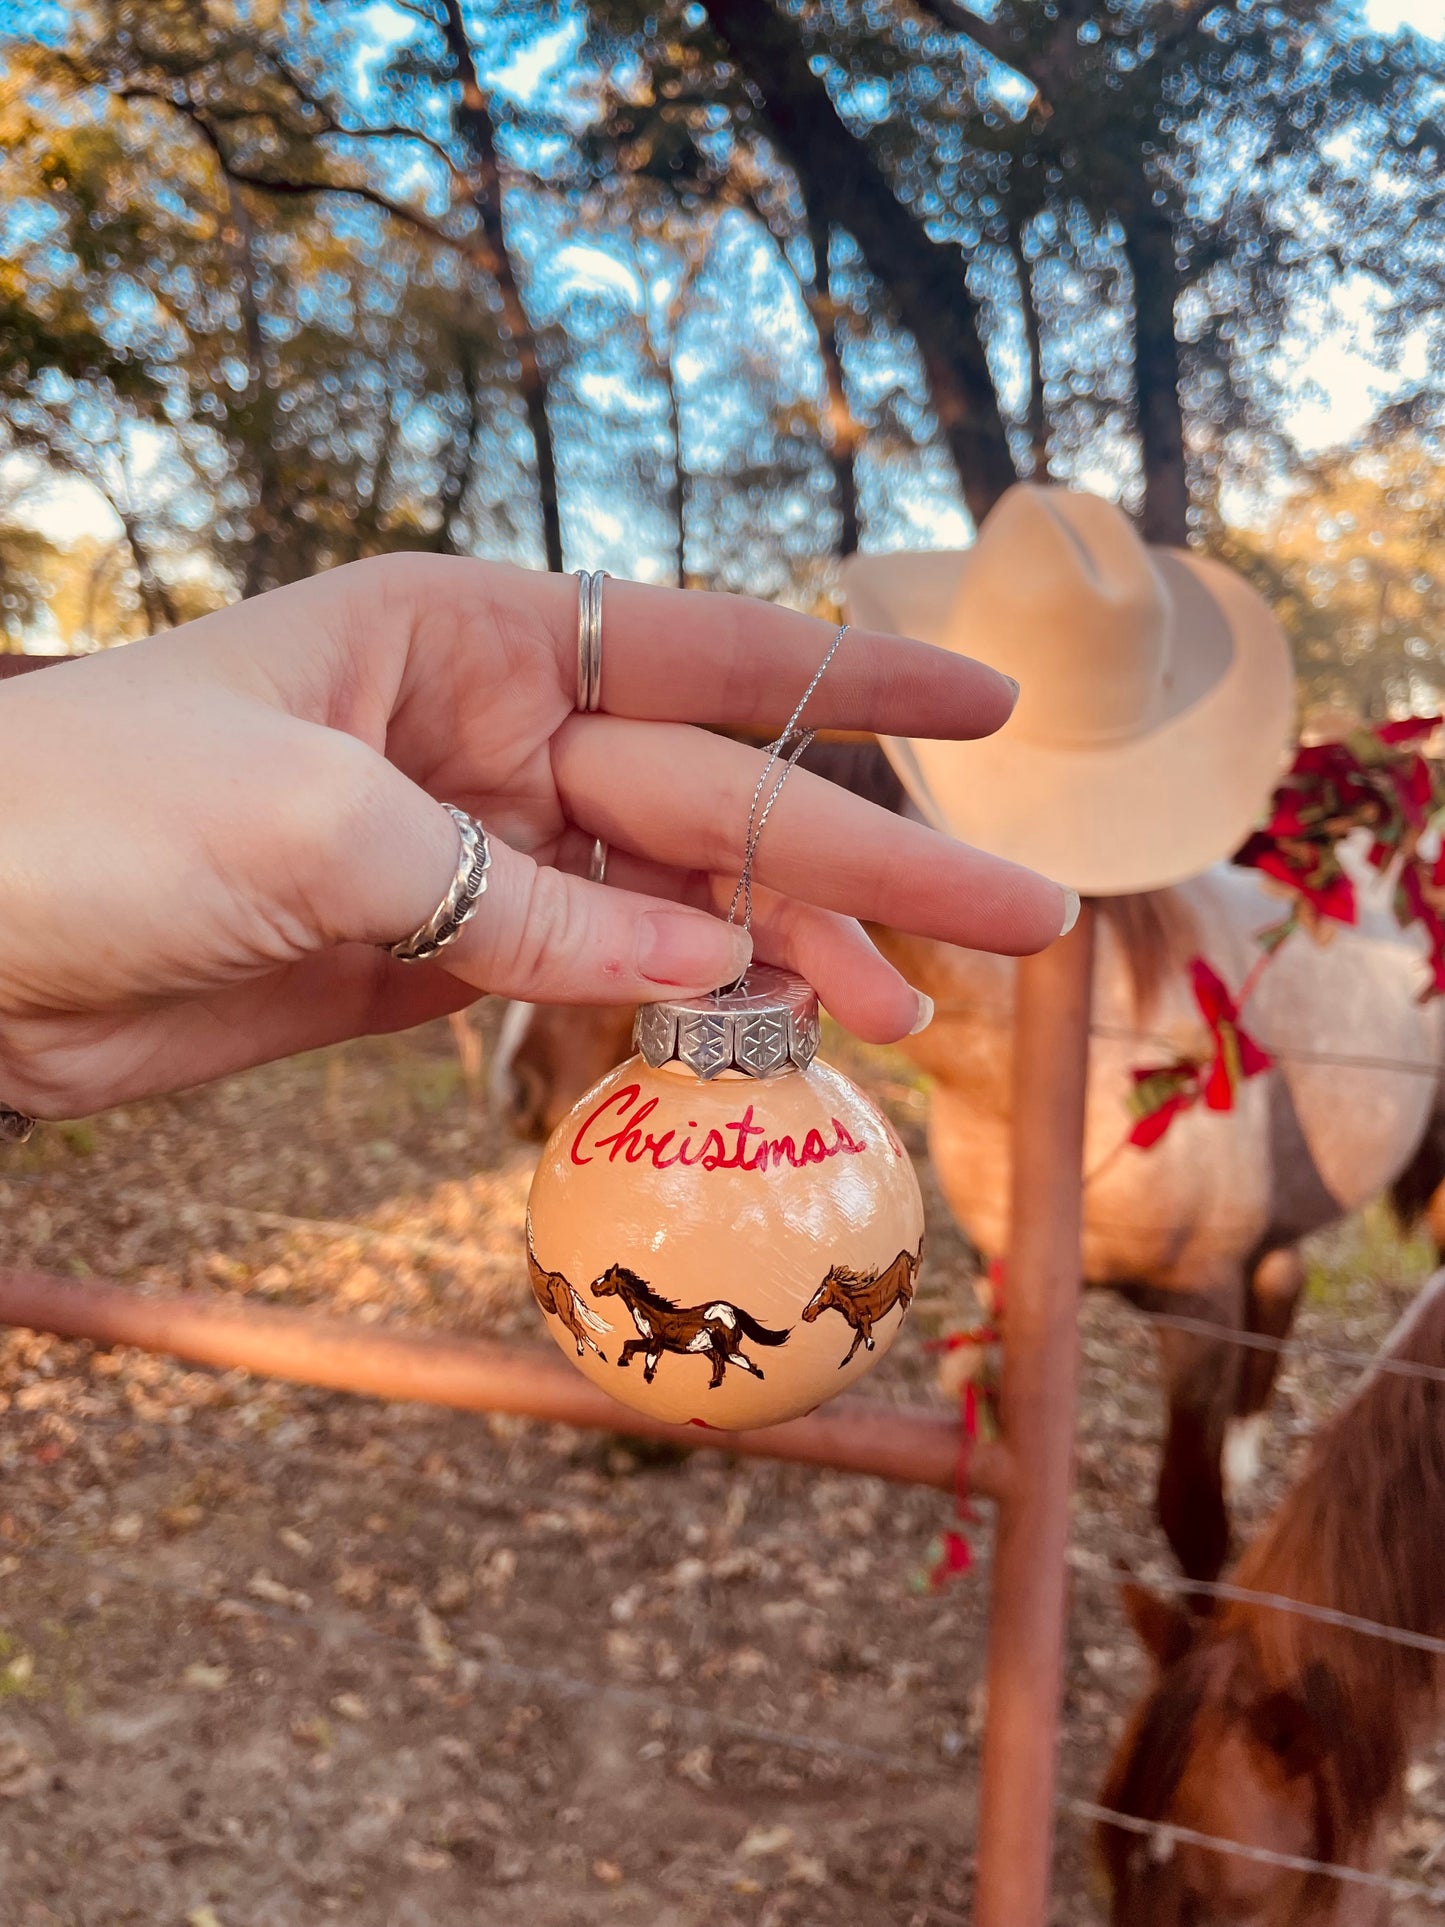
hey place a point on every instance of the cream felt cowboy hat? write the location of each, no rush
(1156, 693)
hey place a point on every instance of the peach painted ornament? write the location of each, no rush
(725, 1230)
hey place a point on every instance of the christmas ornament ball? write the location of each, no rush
(725, 1230)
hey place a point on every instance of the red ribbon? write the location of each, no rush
(1162, 1093)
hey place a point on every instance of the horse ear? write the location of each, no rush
(1285, 1726)
(1165, 1629)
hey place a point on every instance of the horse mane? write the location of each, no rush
(1151, 1763)
(644, 1291)
(848, 1275)
(1157, 934)
(1360, 1533)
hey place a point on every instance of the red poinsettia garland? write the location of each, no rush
(1378, 781)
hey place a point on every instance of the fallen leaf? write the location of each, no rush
(764, 1840)
(262, 1586)
(425, 1859)
(807, 1869)
(206, 1679)
(432, 1638)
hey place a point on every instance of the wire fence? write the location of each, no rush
(1166, 1838)
(495, 1666)
(437, 1653)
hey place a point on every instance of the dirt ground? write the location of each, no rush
(272, 1657)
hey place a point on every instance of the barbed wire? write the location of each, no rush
(1169, 1835)
(442, 1657)
(1001, 1016)
(1179, 1585)
(1382, 1362)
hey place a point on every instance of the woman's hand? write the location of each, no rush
(205, 836)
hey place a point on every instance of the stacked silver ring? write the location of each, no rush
(589, 639)
(459, 905)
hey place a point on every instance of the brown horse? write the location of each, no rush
(1285, 1732)
(1208, 1220)
(555, 1295)
(714, 1331)
(864, 1297)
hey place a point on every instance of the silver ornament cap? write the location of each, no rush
(765, 1025)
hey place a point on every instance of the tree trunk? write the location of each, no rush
(484, 181)
(1036, 419)
(843, 185)
(259, 570)
(160, 610)
(1149, 248)
(843, 435)
(679, 473)
(461, 459)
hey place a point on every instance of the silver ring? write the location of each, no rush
(459, 905)
(597, 869)
(589, 639)
(15, 1126)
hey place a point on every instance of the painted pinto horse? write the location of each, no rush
(1208, 1220)
(863, 1297)
(556, 1295)
(1286, 1732)
(714, 1331)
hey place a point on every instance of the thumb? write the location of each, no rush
(538, 935)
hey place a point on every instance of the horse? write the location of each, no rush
(555, 1295)
(1293, 1733)
(864, 1297)
(714, 1331)
(1207, 1221)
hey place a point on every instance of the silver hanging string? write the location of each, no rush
(787, 747)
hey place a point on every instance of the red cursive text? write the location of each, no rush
(739, 1145)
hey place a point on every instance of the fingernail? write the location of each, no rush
(925, 1014)
(1071, 911)
(1013, 685)
(687, 947)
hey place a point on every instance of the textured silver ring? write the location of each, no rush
(15, 1126)
(459, 905)
(597, 868)
(589, 639)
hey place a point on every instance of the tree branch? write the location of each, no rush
(987, 38)
(843, 185)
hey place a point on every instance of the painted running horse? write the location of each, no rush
(862, 1298)
(556, 1295)
(1207, 1222)
(714, 1331)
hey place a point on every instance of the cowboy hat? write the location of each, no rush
(1156, 692)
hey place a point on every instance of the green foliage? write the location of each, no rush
(1352, 557)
